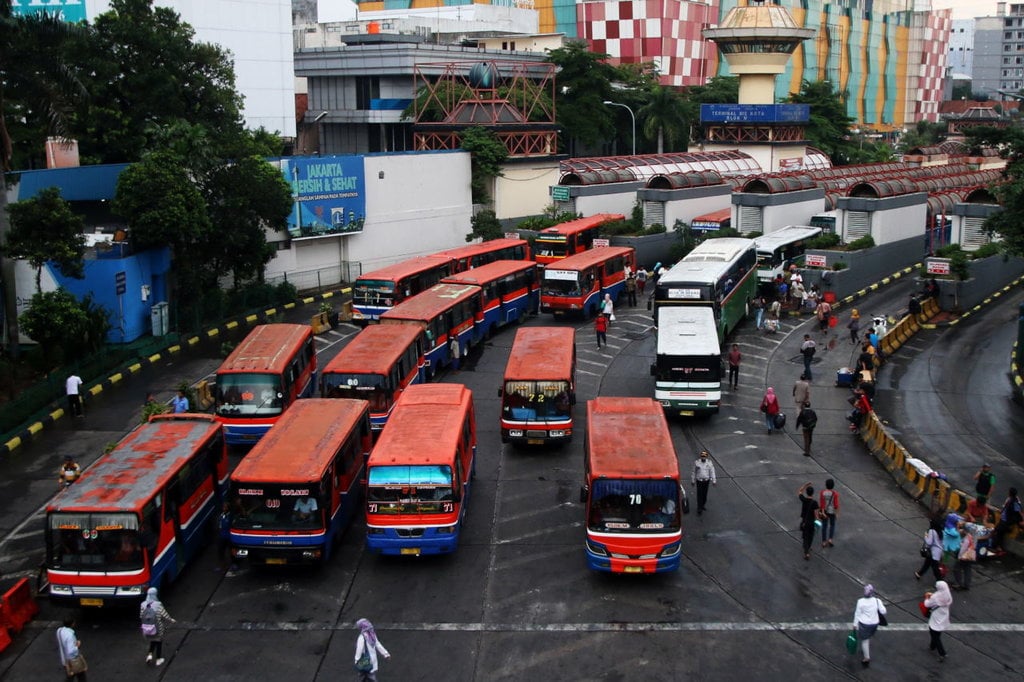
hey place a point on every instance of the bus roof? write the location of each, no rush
(426, 304)
(694, 272)
(714, 216)
(579, 224)
(267, 348)
(542, 354)
(783, 236)
(125, 478)
(720, 249)
(629, 438)
(374, 350)
(424, 424)
(300, 445)
(469, 250)
(590, 257)
(489, 272)
(408, 267)
(687, 330)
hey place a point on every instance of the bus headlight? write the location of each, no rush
(132, 591)
(574, 306)
(671, 550)
(311, 554)
(241, 553)
(60, 589)
(515, 433)
(665, 403)
(375, 531)
(597, 549)
(558, 433)
(445, 530)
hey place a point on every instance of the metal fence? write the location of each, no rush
(320, 279)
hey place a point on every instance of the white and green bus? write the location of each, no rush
(719, 273)
(778, 250)
(688, 366)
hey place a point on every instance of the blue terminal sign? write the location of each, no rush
(755, 113)
(66, 10)
(329, 194)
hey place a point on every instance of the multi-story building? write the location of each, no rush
(960, 55)
(999, 52)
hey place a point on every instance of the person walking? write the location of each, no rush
(807, 349)
(809, 513)
(984, 480)
(828, 501)
(951, 540)
(631, 290)
(70, 648)
(931, 551)
(68, 472)
(73, 389)
(801, 392)
(179, 403)
(153, 618)
(703, 476)
(455, 351)
(758, 305)
(608, 307)
(734, 358)
(367, 644)
(965, 559)
(224, 539)
(866, 618)
(854, 326)
(939, 603)
(770, 408)
(641, 280)
(824, 313)
(807, 419)
(601, 328)
(1009, 517)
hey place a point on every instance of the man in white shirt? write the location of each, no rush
(703, 475)
(304, 508)
(73, 388)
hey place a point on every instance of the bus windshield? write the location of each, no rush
(373, 292)
(688, 368)
(95, 542)
(563, 282)
(536, 400)
(634, 505)
(553, 249)
(370, 387)
(248, 394)
(421, 489)
(276, 507)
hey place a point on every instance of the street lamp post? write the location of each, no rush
(631, 117)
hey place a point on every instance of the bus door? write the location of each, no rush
(172, 516)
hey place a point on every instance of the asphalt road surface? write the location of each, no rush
(517, 601)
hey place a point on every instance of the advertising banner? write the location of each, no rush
(329, 192)
(66, 10)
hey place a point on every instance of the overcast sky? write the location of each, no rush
(968, 9)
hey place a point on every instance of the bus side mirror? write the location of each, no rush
(456, 496)
(649, 304)
(500, 391)
(654, 370)
(572, 398)
(583, 494)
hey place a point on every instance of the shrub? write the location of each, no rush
(947, 251)
(986, 250)
(839, 265)
(825, 240)
(958, 265)
(865, 242)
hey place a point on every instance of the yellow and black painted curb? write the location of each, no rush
(988, 299)
(33, 428)
(871, 288)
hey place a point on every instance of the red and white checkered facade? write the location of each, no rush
(666, 32)
(927, 92)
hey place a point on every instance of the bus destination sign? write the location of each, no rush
(755, 113)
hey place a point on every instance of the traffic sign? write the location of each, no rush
(559, 193)
(816, 260)
(120, 282)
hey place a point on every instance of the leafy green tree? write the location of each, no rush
(718, 90)
(487, 154)
(664, 117)
(432, 103)
(584, 82)
(65, 328)
(36, 86)
(1008, 223)
(829, 127)
(485, 226)
(44, 228)
(924, 134)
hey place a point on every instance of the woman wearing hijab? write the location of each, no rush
(854, 326)
(866, 620)
(370, 645)
(608, 307)
(770, 408)
(154, 618)
(933, 557)
(938, 602)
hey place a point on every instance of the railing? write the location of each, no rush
(320, 279)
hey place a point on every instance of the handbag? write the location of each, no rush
(882, 620)
(77, 665)
(925, 611)
(851, 642)
(364, 663)
(149, 629)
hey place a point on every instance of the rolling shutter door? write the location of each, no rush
(973, 234)
(858, 224)
(654, 213)
(750, 219)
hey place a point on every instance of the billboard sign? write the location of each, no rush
(755, 113)
(329, 194)
(815, 260)
(66, 10)
(937, 266)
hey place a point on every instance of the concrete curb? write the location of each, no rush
(33, 428)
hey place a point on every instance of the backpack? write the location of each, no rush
(830, 501)
(808, 418)
(809, 351)
(149, 620)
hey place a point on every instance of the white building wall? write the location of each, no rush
(523, 190)
(895, 224)
(797, 213)
(688, 209)
(258, 33)
(618, 202)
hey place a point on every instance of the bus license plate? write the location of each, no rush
(535, 441)
(276, 561)
(685, 413)
(633, 569)
(90, 601)
(412, 551)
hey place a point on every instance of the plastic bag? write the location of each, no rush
(851, 642)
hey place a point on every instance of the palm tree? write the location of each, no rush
(36, 83)
(663, 116)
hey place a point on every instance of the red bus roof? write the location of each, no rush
(542, 354)
(714, 216)
(267, 348)
(424, 425)
(412, 266)
(488, 273)
(125, 478)
(488, 246)
(629, 438)
(582, 223)
(428, 304)
(300, 445)
(374, 350)
(590, 257)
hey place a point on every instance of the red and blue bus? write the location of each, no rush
(575, 236)
(376, 292)
(419, 472)
(376, 366)
(137, 516)
(539, 388)
(511, 292)
(474, 255)
(295, 493)
(444, 312)
(577, 284)
(265, 374)
(631, 488)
